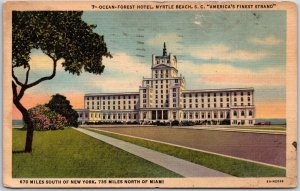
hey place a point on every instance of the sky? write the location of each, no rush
(214, 49)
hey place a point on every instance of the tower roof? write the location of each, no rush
(164, 50)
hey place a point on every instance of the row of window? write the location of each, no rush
(113, 107)
(242, 113)
(111, 97)
(214, 105)
(216, 94)
(148, 82)
(242, 122)
(201, 115)
(215, 99)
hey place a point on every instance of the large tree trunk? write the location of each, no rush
(29, 125)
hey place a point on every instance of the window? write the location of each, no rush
(249, 104)
(250, 113)
(248, 98)
(249, 93)
(234, 113)
(242, 99)
(227, 104)
(174, 89)
(234, 99)
(221, 99)
(176, 80)
(215, 115)
(221, 104)
(190, 105)
(215, 105)
(215, 99)
(196, 105)
(221, 94)
(227, 99)
(242, 93)
(215, 94)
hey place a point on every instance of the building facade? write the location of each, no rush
(163, 97)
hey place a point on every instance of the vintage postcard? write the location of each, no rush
(150, 94)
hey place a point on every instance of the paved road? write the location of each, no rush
(267, 148)
(179, 166)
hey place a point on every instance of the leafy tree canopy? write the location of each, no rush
(59, 34)
(62, 106)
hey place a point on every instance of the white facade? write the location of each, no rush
(163, 97)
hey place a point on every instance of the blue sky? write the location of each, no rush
(215, 49)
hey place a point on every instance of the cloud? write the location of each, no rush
(122, 73)
(226, 53)
(224, 75)
(266, 41)
(199, 19)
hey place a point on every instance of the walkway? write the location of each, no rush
(179, 166)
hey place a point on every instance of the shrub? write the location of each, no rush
(175, 123)
(62, 106)
(45, 119)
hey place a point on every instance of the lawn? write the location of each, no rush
(71, 154)
(227, 165)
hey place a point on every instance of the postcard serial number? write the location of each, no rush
(275, 181)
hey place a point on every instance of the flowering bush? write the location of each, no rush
(45, 119)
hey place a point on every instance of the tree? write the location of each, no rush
(61, 105)
(60, 35)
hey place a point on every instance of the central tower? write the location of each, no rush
(161, 94)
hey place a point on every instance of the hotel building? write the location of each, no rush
(163, 97)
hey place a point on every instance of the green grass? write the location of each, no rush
(227, 165)
(71, 154)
